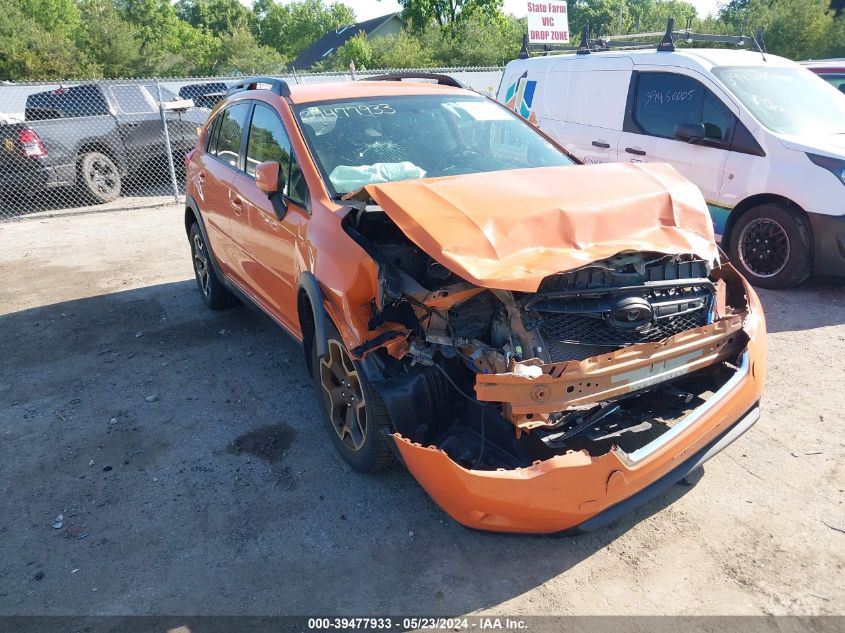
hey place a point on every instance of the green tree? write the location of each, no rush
(108, 40)
(293, 27)
(651, 15)
(36, 41)
(217, 16)
(240, 53)
(609, 17)
(447, 13)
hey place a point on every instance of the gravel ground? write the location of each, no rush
(183, 450)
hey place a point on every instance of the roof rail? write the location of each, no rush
(666, 44)
(443, 80)
(278, 86)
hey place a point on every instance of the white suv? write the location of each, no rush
(762, 137)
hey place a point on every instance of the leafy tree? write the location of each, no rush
(605, 16)
(29, 50)
(218, 16)
(651, 15)
(446, 12)
(109, 41)
(293, 27)
(240, 53)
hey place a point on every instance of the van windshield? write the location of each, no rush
(364, 141)
(787, 100)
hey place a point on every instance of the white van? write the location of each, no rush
(762, 137)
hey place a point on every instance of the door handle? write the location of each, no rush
(237, 204)
(601, 144)
(202, 176)
(635, 151)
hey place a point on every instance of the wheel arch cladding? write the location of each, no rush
(309, 287)
(755, 201)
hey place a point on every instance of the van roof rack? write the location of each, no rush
(603, 43)
(443, 80)
(278, 86)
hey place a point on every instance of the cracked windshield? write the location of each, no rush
(361, 142)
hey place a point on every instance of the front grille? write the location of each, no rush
(576, 337)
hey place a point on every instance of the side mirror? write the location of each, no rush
(269, 179)
(689, 132)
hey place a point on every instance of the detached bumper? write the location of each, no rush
(576, 490)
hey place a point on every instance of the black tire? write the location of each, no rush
(214, 293)
(374, 453)
(99, 177)
(771, 245)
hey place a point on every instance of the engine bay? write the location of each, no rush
(448, 334)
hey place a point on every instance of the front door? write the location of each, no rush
(660, 101)
(267, 243)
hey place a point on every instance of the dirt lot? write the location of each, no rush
(183, 450)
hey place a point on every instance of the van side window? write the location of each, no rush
(231, 129)
(665, 99)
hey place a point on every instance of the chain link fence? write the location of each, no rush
(120, 144)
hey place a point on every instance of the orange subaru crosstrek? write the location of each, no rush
(544, 345)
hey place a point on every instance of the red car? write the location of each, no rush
(831, 70)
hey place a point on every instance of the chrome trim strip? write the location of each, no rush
(656, 444)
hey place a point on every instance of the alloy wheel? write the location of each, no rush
(102, 176)
(343, 396)
(201, 265)
(764, 247)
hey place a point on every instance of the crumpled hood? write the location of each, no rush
(510, 229)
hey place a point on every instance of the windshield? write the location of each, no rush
(787, 100)
(360, 142)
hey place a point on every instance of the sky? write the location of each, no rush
(366, 9)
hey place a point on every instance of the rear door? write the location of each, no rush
(266, 244)
(139, 124)
(660, 98)
(219, 165)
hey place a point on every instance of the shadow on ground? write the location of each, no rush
(184, 451)
(818, 302)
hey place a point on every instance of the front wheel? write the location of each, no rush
(354, 414)
(771, 246)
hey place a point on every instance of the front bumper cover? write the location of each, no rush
(576, 489)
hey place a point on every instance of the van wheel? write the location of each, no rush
(99, 177)
(215, 295)
(354, 414)
(771, 246)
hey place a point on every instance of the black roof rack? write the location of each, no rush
(278, 86)
(666, 44)
(443, 80)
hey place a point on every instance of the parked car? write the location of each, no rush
(204, 95)
(540, 349)
(761, 137)
(831, 70)
(91, 137)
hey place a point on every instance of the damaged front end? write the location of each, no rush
(537, 410)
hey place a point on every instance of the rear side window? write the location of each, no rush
(665, 99)
(268, 140)
(229, 134)
(66, 103)
(132, 99)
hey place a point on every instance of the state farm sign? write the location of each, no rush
(548, 23)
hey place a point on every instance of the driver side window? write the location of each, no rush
(664, 100)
